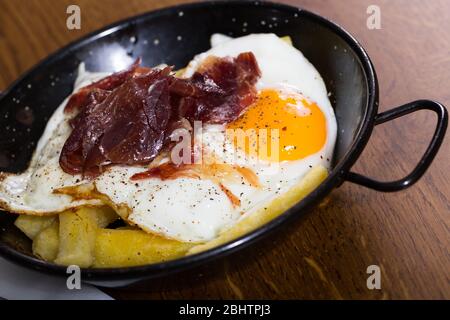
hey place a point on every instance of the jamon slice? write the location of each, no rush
(220, 90)
(127, 127)
(80, 99)
(126, 118)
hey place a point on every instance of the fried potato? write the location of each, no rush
(46, 243)
(287, 39)
(179, 73)
(128, 228)
(279, 205)
(32, 225)
(122, 248)
(77, 232)
(102, 216)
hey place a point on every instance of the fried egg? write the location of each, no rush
(292, 99)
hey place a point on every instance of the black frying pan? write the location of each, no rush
(173, 36)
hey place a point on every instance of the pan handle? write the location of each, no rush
(427, 158)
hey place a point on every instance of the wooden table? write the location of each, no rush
(326, 256)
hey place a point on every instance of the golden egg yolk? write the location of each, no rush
(279, 127)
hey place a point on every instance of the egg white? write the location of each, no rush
(185, 209)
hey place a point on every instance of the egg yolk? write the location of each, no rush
(280, 127)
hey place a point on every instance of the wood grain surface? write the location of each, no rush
(326, 255)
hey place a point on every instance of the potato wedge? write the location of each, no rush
(256, 219)
(32, 225)
(121, 248)
(46, 243)
(179, 73)
(287, 39)
(77, 232)
(128, 228)
(102, 216)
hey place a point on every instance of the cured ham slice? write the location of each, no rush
(126, 118)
